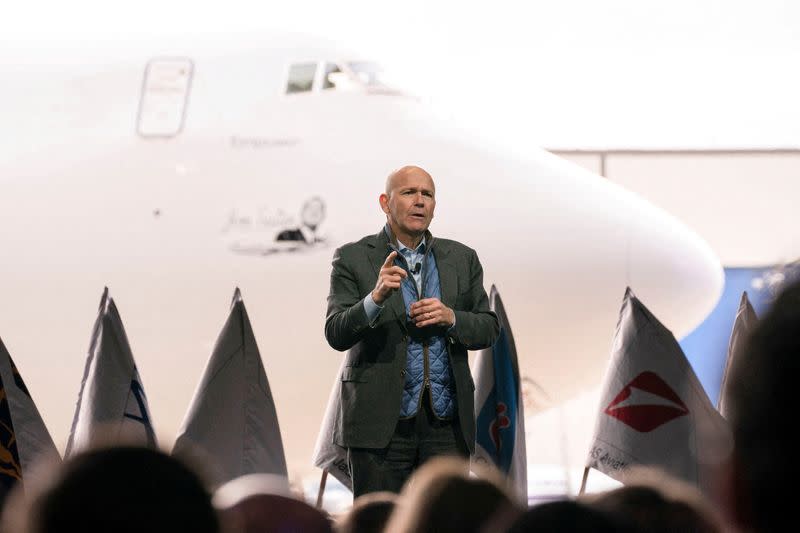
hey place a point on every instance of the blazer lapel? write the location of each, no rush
(448, 275)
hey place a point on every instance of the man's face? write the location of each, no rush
(410, 203)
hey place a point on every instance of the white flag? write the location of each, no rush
(327, 454)
(232, 420)
(653, 409)
(499, 416)
(112, 406)
(24, 439)
(742, 326)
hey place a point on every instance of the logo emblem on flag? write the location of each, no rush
(501, 421)
(10, 468)
(662, 406)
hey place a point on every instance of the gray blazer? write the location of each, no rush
(373, 378)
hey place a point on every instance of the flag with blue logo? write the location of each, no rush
(500, 431)
(232, 423)
(24, 439)
(112, 406)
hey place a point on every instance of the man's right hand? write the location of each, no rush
(389, 279)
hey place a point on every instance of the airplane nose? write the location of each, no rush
(673, 267)
(562, 245)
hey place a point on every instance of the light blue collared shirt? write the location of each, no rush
(414, 257)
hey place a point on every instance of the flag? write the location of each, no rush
(232, 421)
(653, 409)
(742, 326)
(24, 439)
(500, 421)
(112, 406)
(327, 454)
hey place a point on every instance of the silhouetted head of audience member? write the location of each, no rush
(568, 516)
(369, 513)
(763, 405)
(442, 496)
(652, 501)
(264, 503)
(273, 513)
(121, 489)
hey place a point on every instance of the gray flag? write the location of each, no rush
(232, 423)
(745, 322)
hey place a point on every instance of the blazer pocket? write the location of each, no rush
(351, 374)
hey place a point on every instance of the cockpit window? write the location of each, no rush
(328, 80)
(368, 73)
(301, 77)
(332, 76)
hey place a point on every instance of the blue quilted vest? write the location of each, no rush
(427, 355)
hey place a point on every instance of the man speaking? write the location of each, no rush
(407, 307)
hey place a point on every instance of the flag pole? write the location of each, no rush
(583, 482)
(322, 480)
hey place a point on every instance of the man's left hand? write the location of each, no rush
(431, 312)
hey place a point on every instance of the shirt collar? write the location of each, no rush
(400, 246)
(420, 249)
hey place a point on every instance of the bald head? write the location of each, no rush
(409, 202)
(395, 177)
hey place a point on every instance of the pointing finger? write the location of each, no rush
(389, 260)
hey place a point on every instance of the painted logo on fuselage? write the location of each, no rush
(268, 231)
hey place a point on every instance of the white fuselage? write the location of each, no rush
(172, 225)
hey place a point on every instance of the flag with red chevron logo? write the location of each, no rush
(653, 409)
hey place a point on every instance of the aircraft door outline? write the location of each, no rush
(164, 97)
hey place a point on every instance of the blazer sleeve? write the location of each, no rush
(346, 319)
(476, 326)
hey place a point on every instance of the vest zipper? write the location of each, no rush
(426, 382)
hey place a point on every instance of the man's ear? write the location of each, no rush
(384, 201)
